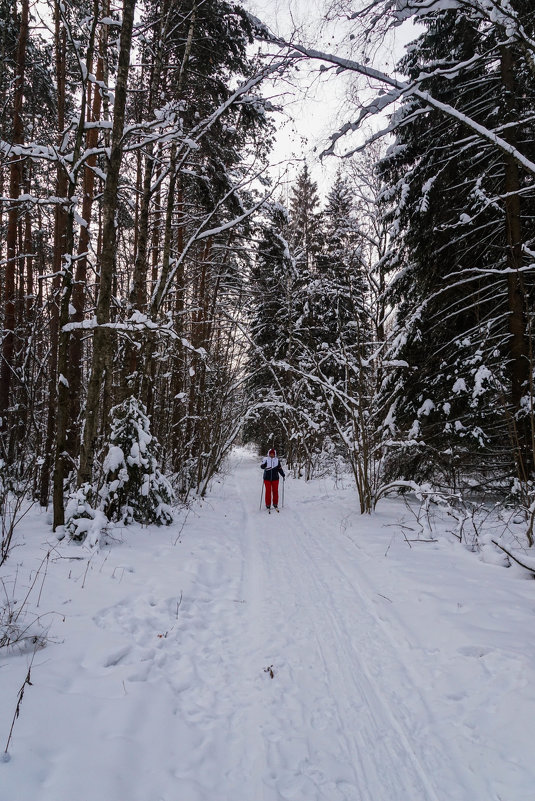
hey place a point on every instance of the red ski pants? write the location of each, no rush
(272, 487)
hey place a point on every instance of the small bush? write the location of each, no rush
(134, 488)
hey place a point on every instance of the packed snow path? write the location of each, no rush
(309, 655)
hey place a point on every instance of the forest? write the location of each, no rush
(163, 297)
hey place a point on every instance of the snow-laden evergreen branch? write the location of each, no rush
(297, 52)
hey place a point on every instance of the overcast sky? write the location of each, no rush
(315, 106)
(311, 108)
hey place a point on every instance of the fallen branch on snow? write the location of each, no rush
(514, 558)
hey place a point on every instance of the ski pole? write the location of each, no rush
(283, 483)
(261, 495)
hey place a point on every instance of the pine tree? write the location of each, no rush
(340, 269)
(339, 319)
(461, 307)
(272, 282)
(134, 488)
(305, 221)
(308, 367)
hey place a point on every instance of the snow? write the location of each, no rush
(315, 655)
(482, 375)
(110, 21)
(426, 408)
(114, 459)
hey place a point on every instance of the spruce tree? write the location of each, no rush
(134, 488)
(272, 284)
(452, 281)
(340, 321)
(305, 221)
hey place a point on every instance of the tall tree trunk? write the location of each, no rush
(64, 391)
(102, 342)
(178, 382)
(15, 183)
(79, 287)
(518, 342)
(146, 382)
(138, 291)
(57, 260)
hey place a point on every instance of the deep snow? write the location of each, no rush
(238, 656)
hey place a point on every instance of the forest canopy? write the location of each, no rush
(161, 297)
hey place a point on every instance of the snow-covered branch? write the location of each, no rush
(297, 52)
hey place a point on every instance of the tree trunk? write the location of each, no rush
(518, 342)
(138, 292)
(79, 286)
(57, 259)
(15, 183)
(102, 340)
(64, 391)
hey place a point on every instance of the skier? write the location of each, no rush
(272, 468)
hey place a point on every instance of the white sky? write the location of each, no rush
(317, 105)
(311, 107)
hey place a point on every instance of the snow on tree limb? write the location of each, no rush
(399, 89)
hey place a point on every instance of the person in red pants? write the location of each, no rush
(272, 469)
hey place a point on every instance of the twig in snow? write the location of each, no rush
(85, 574)
(420, 540)
(104, 562)
(28, 682)
(514, 558)
(182, 526)
(407, 540)
(47, 558)
(390, 544)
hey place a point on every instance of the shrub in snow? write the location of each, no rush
(15, 488)
(134, 488)
(84, 523)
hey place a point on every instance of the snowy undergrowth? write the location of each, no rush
(314, 655)
(132, 487)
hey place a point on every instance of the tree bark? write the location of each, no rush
(57, 258)
(138, 291)
(518, 342)
(102, 339)
(15, 183)
(64, 390)
(80, 278)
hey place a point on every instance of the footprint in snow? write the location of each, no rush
(116, 657)
(475, 651)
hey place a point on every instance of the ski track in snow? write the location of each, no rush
(343, 739)
(258, 659)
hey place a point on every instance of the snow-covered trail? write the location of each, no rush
(303, 656)
(331, 726)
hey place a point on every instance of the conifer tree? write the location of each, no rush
(305, 221)
(273, 279)
(340, 308)
(461, 306)
(134, 488)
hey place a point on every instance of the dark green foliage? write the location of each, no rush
(310, 327)
(273, 279)
(134, 488)
(450, 255)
